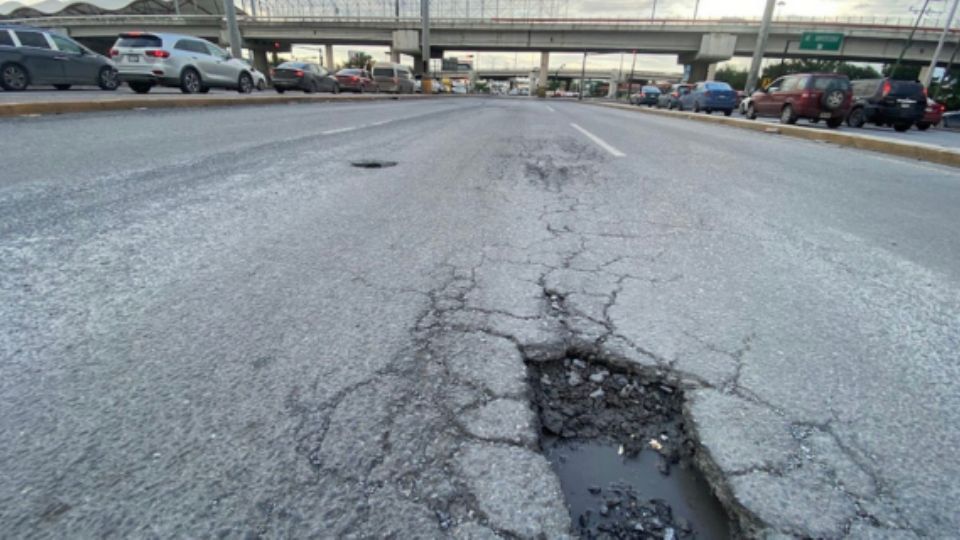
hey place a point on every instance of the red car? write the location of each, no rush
(814, 96)
(932, 115)
(356, 80)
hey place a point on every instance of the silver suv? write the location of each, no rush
(194, 65)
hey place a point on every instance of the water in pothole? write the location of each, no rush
(617, 441)
(609, 494)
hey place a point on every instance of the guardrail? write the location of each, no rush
(887, 23)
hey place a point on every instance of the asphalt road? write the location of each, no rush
(211, 324)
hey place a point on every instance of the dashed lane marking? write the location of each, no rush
(600, 142)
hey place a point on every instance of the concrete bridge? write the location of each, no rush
(699, 43)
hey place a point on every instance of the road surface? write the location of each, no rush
(214, 325)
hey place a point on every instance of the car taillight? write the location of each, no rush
(114, 52)
(353, 78)
(887, 87)
(298, 73)
(675, 94)
(157, 53)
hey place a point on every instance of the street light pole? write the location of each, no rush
(583, 75)
(231, 12)
(943, 36)
(903, 51)
(696, 8)
(761, 46)
(633, 66)
(425, 36)
(653, 11)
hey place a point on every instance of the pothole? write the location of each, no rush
(618, 443)
(373, 164)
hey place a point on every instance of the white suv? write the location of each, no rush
(145, 60)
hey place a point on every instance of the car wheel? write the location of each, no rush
(696, 106)
(14, 78)
(362, 90)
(335, 89)
(680, 107)
(310, 87)
(902, 126)
(708, 111)
(834, 123)
(787, 116)
(728, 112)
(280, 90)
(62, 86)
(108, 79)
(857, 118)
(751, 112)
(923, 126)
(190, 81)
(261, 86)
(140, 87)
(245, 83)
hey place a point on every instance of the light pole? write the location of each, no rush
(696, 8)
(583, 76)
(761, 46)
(903, 51)
(231, 12)
(943, 36)
(653, 11)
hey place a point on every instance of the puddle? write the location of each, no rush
(617, 442)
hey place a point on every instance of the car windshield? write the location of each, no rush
(563, 269)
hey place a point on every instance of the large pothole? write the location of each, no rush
(616, 439)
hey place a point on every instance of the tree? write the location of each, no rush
(903, 72)
(361, 60)
(858, 72)
(828, 66)
(736, 78)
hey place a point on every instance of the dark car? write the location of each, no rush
(648, 95)
(30, 56)
(710, 96)
(671, 99)
(356, 80)
(303, 76)
(932, 115)
(887, 102)
(814, 96)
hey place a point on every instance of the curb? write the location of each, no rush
(920, 152)
(177, 102)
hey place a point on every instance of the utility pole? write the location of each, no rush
(633, 66)
(176, 6)
(696, 8)
(943, 36)
(909, 42)
(583, 76)
(425, 44)
(231, 12)
(946, 73)
(653, 11)
(754, 73)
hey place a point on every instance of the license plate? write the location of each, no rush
(133, 58)
(905, 105)
(825, 115)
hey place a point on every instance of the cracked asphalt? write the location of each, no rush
(211, 325)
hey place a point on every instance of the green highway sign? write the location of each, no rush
(821, 41)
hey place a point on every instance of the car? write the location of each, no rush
(459, 89)
(887, 102)
(932, 115)
(356, 80)
(259, 77)
(951, 120)
(32, 56)
(670, 100)
(394, 78)
(304, 76)
(813, 96)
(648, 95)
(148, 59)
(709, 96)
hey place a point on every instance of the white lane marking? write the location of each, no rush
(341, 130)
(551, 109)
(600, 142)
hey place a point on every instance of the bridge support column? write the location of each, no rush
(702, 71)
(328, 57)
(542, 79)
(260, 61)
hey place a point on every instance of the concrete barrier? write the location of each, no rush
(180, 102)
(921, 152)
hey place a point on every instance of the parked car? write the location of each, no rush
(932, 115)
(34, 56)
(814, 96)
(671, 99)
(356, 80)
(393, 78)
(648, 95)
(145, 60)
(304, 76)
(259, 77)
(709, 96)
(951, 120)
(887, 102)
